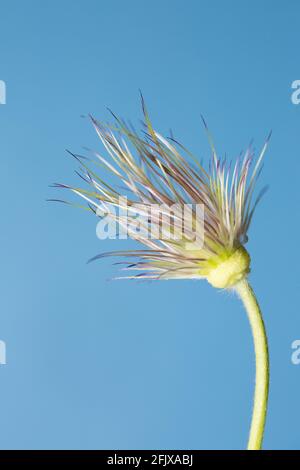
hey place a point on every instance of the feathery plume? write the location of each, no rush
(160, 178)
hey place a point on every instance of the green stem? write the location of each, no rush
(247, 295)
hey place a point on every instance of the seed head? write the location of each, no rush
(158, 171)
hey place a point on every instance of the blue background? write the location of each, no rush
(93, 363)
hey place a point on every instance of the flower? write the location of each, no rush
(158, 177)
(156, 174)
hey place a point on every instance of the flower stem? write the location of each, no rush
(248, 298)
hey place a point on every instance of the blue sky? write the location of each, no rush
(98, 364)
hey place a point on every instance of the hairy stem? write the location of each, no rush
(248, 298)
